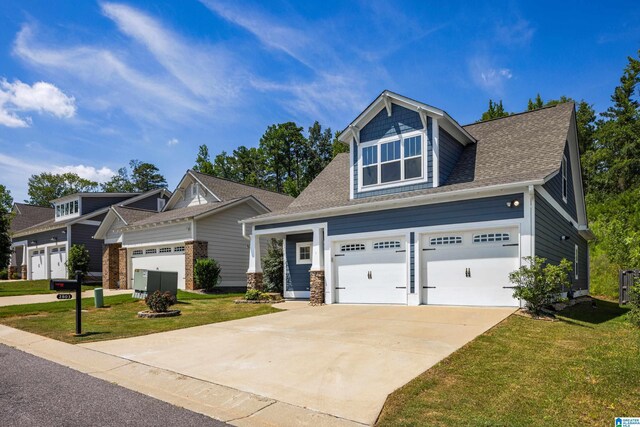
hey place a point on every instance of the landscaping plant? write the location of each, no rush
(78, 260)
(538, 283)
(634, 301)
(159, 302)
(4, 274)
(206, 273)
(253, 295)
(273, 267)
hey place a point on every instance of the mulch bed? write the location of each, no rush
(151, 315)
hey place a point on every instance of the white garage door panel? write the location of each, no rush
(58, 263)
(38, 271)
(470, 273)
(371, 276)
(161, 262)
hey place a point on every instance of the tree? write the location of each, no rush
(286, 152)
(273, 267)
(78, 260)
(321, 150)
(495, 111)
(203, 161)
(339, 146)
(47, 186)
(140, 177)
(6, 202)
(206, 272)
(534, 105)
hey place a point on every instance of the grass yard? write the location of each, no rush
(581, 371)
(118, 319)
(29, 287)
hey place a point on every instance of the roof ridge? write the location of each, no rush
(546, 107)
(239, 183)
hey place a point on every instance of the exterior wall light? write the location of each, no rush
(33, 242)
(513, 203)
(563, 237)
(54, 239)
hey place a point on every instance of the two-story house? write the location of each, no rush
(200, 220)
(41, 236)
(423, 210)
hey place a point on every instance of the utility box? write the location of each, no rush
(146, 282)
(628, 278)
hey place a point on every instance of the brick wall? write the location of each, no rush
(111, 265)
(193, 251)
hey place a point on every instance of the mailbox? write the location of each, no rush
(63, 285)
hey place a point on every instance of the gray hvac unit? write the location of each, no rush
(146, 282)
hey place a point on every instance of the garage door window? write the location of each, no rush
(137, 252)
(178, 249)
(445, 240)
(387, 244)
(490, 237)
(164, 250)
(150, 251)
(352, 247)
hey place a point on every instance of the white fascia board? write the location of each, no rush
(204, 186)
(249, 199)
(466, 194)
(176, 193)
(155, 244)
(156, 224)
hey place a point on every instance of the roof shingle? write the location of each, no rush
(29, 215)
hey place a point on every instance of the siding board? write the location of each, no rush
(554, 187)
(450, 151)
(151, 236)
(82, 234)
(297, 275)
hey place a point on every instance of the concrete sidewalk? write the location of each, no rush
(35, 299)
(216, 401)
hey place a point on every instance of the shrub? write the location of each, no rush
(15, 276)
(4, 274)
(634, 301)
(253, 295)
(159, 302)
(206, 273)
(538, 283)
(273, 267)
(78, 260)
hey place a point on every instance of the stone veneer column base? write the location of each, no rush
(316, 286)
(23, 272)
(111, 265)
(255, 281)
(12, 270)
(123, 265)
(193, 251)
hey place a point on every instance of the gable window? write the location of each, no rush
(565, 184)
(303, 253)
(575, 262)
(392, 161)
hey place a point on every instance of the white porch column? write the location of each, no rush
(255, 266)
(317, 250)
(13, 261)
(47, 259)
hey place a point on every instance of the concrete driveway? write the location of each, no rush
(342, 360)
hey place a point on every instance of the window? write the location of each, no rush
(75, 207)
(149, 251)
(399, 160)
(303, 253)
(63, 249)
(575, 262)
(194, 190)
(565, 187)
(445, 240)
(137, 252)
(352, 247)
(66, 208)
(164, 250)
(161, 203)
(388, 244)
(490, 237)
(178, 249)
(57, 210)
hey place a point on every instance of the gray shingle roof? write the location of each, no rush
(182, 213)
(28, 215)
(518, 148)
(131, 215)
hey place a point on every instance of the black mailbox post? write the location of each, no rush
(69, 286)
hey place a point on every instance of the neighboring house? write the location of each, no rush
(200, 220)
(41, 237)
(425, 211)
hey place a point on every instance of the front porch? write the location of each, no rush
(19, 258)
(304, 256)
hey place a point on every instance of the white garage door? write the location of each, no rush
(371, 271)
(38, 271)
(58, 263)
(164, 258)
(469, 268)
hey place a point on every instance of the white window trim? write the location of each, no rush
(402, 182)
(60, 209)
(565, 181)
(575, 261)
(302, 245)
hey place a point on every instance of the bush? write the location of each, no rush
(159, 302)
(15, 276)
(78, 260)
(4, 274)
(604, 276)
(634, 301)
(253, 295)
(273, 267)
(538, 283)
(206, 273)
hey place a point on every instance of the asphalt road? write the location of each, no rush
(37, 392)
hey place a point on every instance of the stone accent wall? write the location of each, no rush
(12, 269)
(123, 277)
(23, 272)
(193, 251)
(255, 281)
(111, 265)
(316, 294)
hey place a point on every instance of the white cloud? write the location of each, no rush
(172, 142)
(88, 172)
(41, 97)
(488, 76)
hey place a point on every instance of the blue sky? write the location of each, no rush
(86, 86)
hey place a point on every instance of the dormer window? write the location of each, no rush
(67, 209)
(392, 160)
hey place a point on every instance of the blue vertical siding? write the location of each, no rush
(554, 187)
(450, 151)
(297, 275)
(550, 225)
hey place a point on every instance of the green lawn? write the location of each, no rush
(28, 287)
(581, 371)
(118, 318)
